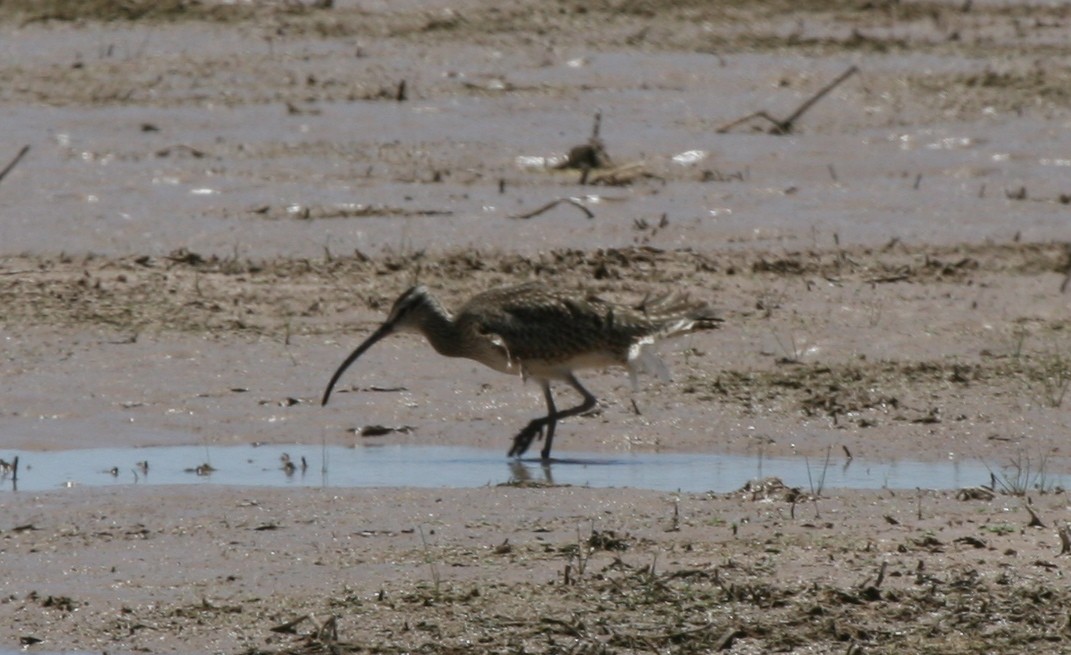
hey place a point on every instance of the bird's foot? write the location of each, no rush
(525, 437)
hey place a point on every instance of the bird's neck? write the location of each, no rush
(438, 326)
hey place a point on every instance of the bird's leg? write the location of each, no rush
(552, 420)
(535, 427)
(586, 405)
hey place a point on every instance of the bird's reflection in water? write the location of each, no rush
(531, 472)
(539, 472)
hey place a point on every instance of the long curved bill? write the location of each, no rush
(381, 331)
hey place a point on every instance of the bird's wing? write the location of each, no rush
(534, 323)
(676, 307)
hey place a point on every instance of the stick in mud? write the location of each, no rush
(785, 126)
(1035, 520)
(288, 626)
(1066, 268)
(554, 203)
(14, 162)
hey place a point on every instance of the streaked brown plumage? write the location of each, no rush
(536, 332)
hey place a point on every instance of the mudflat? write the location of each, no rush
(219, 201)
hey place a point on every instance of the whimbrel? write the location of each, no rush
(538, 333)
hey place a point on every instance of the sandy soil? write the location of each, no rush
(220, 201)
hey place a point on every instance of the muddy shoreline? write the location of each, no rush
(219, 201)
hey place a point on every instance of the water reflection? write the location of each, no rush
(443, 466)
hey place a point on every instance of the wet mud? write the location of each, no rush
(218, 201)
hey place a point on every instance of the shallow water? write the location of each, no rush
(440, 466)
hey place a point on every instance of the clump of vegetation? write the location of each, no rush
(119, 10)
(1052, 377)
(1047, 370)
(1023, 475)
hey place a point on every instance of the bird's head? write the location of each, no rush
(406, 315)
(408, 311)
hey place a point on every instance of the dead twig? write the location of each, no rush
(889, 279)
(785, 126)
(725, 642)
(328, 632)
(588, 156)
(1035, 520)
(976, 493)
(621, 175)
(758, 114)
(1066, 268)
(288, 627)
(1065, 539)
(14, 162)
(554, 203)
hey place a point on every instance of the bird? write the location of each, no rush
(543, 334)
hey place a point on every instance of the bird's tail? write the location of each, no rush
(678, 314)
